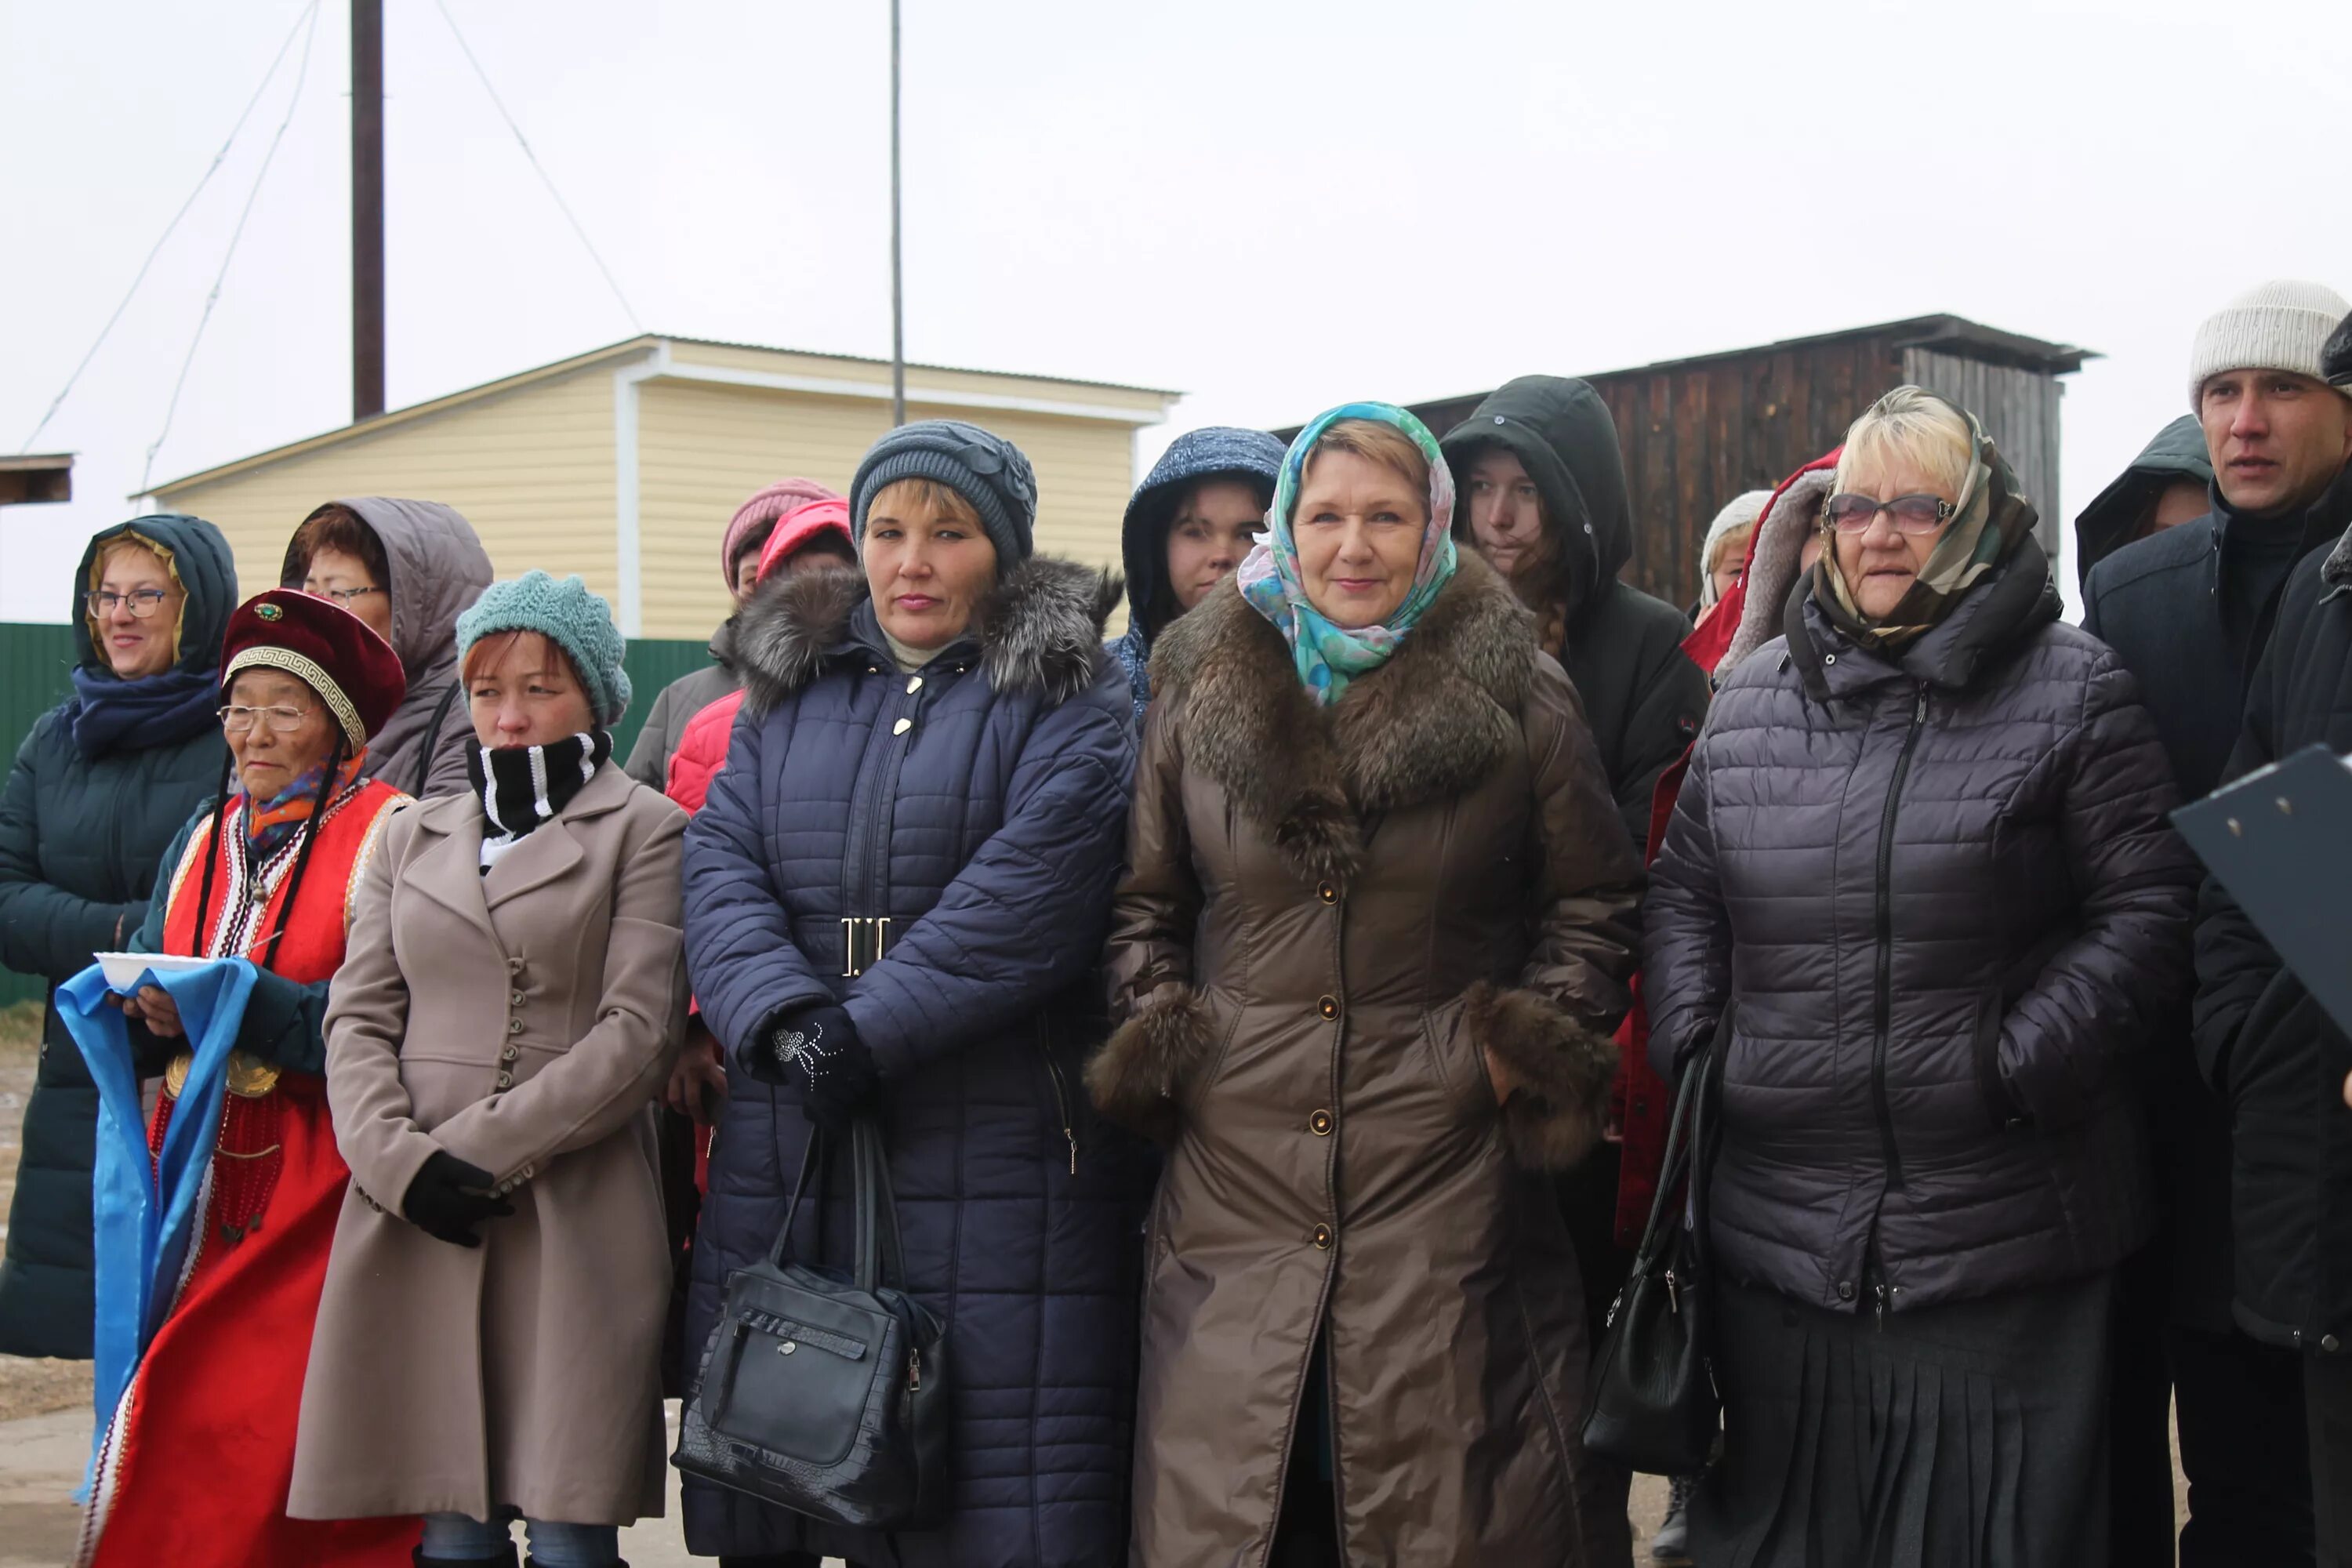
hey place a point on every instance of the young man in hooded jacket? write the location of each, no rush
(2191, 610)
(1542, 495)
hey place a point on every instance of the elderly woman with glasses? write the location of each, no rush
(198, 1412)
(1920, 895)
(101, 784)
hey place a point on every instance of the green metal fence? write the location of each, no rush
(36, 662)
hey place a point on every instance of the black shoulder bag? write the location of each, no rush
(824, 1395)
(1655, 1407)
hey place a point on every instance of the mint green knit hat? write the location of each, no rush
(563, 610)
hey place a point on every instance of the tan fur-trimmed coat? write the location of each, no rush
(1330, 918)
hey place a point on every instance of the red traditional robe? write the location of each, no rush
(195, 1465)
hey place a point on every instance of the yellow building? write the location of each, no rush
(624, 464)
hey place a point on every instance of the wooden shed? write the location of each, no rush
(1697, 432)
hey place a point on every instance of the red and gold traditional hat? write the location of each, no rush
(325, 647)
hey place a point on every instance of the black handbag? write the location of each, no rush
(1655, 1407)
(822, 1395)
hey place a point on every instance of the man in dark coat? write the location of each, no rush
(2189, 610)
(99, 785)
(2276, 1060)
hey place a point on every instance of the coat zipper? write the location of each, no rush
(1061, 1094)
(1885, 1004)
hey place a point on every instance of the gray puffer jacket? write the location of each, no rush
(1937, 896)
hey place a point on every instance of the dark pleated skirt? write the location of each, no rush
(1970, 1436)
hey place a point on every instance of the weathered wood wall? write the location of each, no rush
(1695, 433)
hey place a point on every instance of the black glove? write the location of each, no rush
(450, 1198)
(820, 1052)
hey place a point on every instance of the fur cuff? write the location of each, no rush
(1564, 1069)
(1136, 1078)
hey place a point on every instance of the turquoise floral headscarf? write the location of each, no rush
(1329, 657)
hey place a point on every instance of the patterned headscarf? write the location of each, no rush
(270, 824)
(1990, 518)
(1329, 657)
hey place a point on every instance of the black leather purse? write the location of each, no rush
(1655, 1407)
(822, 1395)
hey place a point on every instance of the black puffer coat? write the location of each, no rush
(1938, 896)
(2264, 1045)
(82, 834)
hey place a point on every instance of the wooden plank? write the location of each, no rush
(1657, 505)
(1697, 497)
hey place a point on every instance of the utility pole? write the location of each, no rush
(367, 209)
(897, 286)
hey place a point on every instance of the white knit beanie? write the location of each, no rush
(2282, 325)
(1741, 512)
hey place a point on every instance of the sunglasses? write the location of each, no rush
(1851, 513)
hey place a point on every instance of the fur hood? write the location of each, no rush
(1039, 629)
(1440, 715)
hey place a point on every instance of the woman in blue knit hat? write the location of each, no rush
(898, 890)
(487, 1346)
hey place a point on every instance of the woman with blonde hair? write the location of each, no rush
(101, 784)
(1377, 923)
(1918, 907)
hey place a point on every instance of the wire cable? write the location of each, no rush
(210, 170)
(302, 75)
(561, 205)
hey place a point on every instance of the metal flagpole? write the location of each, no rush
(897, 294)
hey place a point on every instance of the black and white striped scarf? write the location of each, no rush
(521, 787)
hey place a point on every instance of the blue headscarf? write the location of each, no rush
(1328, 656)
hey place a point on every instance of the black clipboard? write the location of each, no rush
(2280, 840)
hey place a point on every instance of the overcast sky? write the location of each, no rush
(1272, 206)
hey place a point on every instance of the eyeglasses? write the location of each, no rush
(342, 596)
(239, 721)
(1913, 514)
(144, 602)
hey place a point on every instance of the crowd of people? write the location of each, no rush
(1269, 1017)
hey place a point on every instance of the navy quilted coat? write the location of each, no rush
(1937, 893)
(981, 805)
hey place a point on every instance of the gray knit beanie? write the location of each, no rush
(2281, 325)
(987, 471)
(565, 613)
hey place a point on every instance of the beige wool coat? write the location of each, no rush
(523, 1021)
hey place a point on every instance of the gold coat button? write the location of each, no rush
(514, 1025)
(514, 998)
(1319, 1124)
(509, 1054)
(1322, 1239)
(1328, 1006)
(514, 966)
(1328, 893)
(506, 1081)
(902, 726)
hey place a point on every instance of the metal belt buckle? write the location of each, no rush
(863, 940)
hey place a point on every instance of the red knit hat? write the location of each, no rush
(325, 647)
(804, 525)
(765, 507)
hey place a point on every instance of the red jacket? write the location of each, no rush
(1642, 1104)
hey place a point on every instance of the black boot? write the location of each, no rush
(504, 1560)
(533, 1562)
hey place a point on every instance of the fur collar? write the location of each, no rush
(1437, 718)
(1040, 629)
